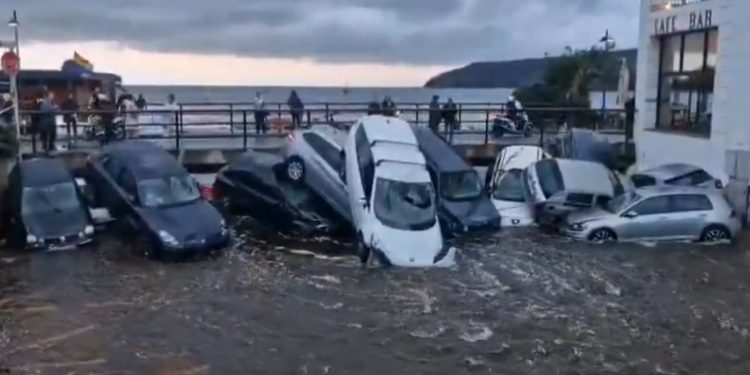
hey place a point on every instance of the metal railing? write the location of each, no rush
(234, 125)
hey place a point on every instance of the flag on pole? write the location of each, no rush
(82, 61)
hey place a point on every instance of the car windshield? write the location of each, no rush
(456, 186)
(622, 201)
(167, 191)
(510, 187)
(52, 198)
(550, 177)
(404, 205)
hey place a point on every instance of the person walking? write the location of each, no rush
(449, 116)
(47, 128)
(70, 107)
(435, 115)
(260, 114)
(296, 108)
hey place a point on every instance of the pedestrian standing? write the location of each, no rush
(373, 108)
(449, 116)
(260, 114)
(172, 121)
(389, 107)
(140, 102)
(47, 128)
(435, 115)
(70, 107)
(296, 108)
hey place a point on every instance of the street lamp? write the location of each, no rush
(609, 43)
(13, 23)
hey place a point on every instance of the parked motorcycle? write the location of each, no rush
(95, 131)
(502, 125)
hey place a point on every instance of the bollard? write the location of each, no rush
(244, 130)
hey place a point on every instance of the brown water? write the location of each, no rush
(518, 302)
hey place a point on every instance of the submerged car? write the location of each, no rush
(144, 187)
(587, 145)
(46, 210)
(463, 205)
(560, 186)
(256, 184)
(675, 174)
(314, 158)
(657, 213)
(392, 197)
(505, 183)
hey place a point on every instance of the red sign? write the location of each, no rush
(11, 63)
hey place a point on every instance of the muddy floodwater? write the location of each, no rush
(518, 302)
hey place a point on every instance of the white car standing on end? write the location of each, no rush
(505, 184)
(391, 196)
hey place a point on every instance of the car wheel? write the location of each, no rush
(715, 233)
(295, 169)
(603, 235)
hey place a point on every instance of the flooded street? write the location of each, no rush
(518, 302)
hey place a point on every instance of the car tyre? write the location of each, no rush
(603, 235)
(295, 169)
(715, 233)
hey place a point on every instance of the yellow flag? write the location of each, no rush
(82, 61)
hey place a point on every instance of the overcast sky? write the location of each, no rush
(308, 41)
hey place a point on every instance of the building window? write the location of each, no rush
(686, 81)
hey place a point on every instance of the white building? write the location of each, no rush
(693, 85)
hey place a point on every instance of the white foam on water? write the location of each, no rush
(476, 333)
(427, 334)
(327, 278)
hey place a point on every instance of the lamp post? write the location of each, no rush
(609, 43)
(13, 23)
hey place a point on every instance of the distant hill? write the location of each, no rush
(510, 74)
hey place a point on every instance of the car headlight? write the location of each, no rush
(577, 227)
(88, 230)
(31, 239)
(167, 238)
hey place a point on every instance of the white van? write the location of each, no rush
(391, 196)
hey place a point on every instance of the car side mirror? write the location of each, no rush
(630, 214)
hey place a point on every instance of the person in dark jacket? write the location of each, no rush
(70, 106)
(140, 102)
(373, 108)
(435, 116)
(389, 107)
(449, 116)
(296, 108)
(47, 125)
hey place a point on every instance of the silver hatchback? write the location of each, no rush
(657, 213)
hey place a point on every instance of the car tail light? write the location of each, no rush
(207, 192)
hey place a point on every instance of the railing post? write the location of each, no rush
(460, 110)
(177, 131)
(278, 114)
(327, 114)
(180, 118)
(486, 126)
(244, 130)
(417, 115)
(231, 119)
(309, 119)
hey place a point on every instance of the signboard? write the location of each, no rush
(10, 63)
(657, 5)
(679, 23)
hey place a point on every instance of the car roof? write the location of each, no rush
(43, 171)
(668, 171)
(145, 159)
(586, 176)
(387, 129)
(438, 151)
(656, 190)
(519, 157)
(403, 172)
(254, 159)
(397, 152)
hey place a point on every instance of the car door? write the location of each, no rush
(690, 213)
(645, 220)
(110, 170)
(324, 178)
(358, 159)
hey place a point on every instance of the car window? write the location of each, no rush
(328, 152)
(640, 180)
(365, 162)
(652, 206)
(691, 179)
(550, 177)
(112, 167)
(510, 187)
(168, 191)
(690, 202)
(404, 205)
(579, 200)
(60, 197)
(457, 186)
(127, 182)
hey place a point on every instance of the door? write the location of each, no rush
(690, 213)
(360, 173)
(648, 221)
(109, 170)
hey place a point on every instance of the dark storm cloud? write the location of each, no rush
(387, 31)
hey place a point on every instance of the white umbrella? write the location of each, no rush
(623, 84)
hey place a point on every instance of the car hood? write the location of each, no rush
(584, 216)
(185, 222)
(479, 211)
(54, 224)
(411, 248)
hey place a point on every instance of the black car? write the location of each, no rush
(144, 187)
(46, 209)
(255, 185)
(463, 204)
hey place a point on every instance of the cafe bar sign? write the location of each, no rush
(681, 23)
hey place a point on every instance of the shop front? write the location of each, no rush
(692, 85)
